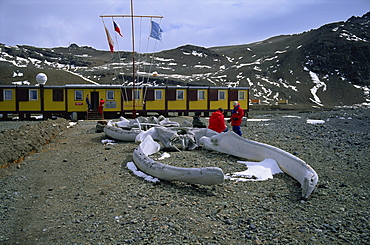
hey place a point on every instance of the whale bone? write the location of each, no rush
(232, 144)
(202, 176)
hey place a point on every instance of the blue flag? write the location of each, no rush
(156, 31)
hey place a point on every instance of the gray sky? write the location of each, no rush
(206, 23)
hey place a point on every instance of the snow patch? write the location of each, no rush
(257, 171)
(318, 84)
(131, 166)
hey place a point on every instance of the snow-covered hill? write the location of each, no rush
(325, 67)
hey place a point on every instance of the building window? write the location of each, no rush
(221, 95)
(33, 94)
(241, 95)
(201, 95)
(179, 94)
(158, 94)
(8, 94)
(110, 95)
(58, 94)
(79, 95)
(137, 94)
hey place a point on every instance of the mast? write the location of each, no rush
(133, 61)
(132, 16)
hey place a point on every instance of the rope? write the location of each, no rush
(117, 73)
(136, 77)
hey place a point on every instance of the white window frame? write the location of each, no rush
(180, 94)
(76, 95)
(33, 94)
(109, 94)
(158, 94)
(241, 95)
(8, 94)
(201, 94)
(221, 95)
(136, 94)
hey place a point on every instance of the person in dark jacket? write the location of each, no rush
(236, 118)
(197, 123)
(217, 121)
(88, 103)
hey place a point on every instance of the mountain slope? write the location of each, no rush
(328, 66)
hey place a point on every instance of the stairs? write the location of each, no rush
(94, 115)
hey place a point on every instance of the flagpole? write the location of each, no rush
(133, 61)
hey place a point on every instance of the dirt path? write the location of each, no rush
(75, 190)
(52, 182)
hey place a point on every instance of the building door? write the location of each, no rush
(94, 100)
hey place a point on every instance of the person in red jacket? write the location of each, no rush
(236, 118)
(101, 105)
(217, 121)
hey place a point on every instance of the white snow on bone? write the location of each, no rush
(131, 166)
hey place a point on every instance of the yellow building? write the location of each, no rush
(118, 100)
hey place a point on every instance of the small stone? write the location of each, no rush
(258, 242)
(227, 221)
(252, 226)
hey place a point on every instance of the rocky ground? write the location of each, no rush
(75, 190)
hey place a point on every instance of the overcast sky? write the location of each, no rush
(206, 23)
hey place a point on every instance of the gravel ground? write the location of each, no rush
(75, 190)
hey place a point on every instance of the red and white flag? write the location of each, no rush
(117, 28)
(110, 41)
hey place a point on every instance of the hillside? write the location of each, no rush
(324, 67)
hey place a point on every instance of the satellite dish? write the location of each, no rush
(41, 78)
